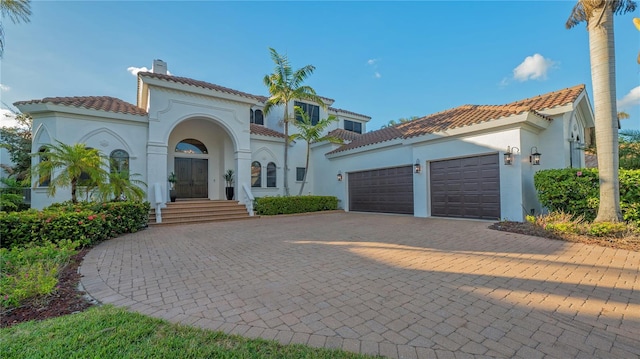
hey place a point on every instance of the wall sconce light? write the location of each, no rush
(339, 176)
(534, 158)
(417, 168)
(509, 156)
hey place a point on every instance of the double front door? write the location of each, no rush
(192, 174)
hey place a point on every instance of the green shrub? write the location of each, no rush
(84, 222)
(577, 192)
(32, 271)
(294, 204)
(607, 229)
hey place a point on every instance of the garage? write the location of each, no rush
(466, 187)
(385, 190)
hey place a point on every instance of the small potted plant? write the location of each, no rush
(172, 186)
(228, 178)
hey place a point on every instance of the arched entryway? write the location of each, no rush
(192, 173)
(199, 152)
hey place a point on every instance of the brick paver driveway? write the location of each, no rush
(392, 285)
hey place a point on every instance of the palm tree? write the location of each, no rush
(599, 17)
(285, 85)
(121, 186)
(311, 133)
(16, 10)
(73, 163)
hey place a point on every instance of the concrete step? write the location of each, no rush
(195, 211)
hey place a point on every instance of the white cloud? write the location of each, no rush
(533, 67)
(134, 70)
(4, 87)
(373, 63)
(7, 118)
(631, 99)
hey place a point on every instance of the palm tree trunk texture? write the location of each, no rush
(286, 149)
(306, 169)
(602, 52)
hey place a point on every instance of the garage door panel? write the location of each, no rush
(473, 193)
(387, 190)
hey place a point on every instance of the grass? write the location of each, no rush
(110, 332)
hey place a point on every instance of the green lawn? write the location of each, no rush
(110, 332)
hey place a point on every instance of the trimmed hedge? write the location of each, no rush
(294, 204)
(84, 222)
(577, 192)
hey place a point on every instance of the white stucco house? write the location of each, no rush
(449, 164)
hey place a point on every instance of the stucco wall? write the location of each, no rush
(101, 133)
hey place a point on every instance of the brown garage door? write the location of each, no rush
(466, 187)
(386, 190)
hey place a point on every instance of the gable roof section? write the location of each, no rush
(201, 84)
(102, 103)
(263, 131)
(465, 115)
(339, 110)
(343, 134)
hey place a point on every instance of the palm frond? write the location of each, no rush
(16, 10)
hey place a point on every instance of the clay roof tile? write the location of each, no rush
(102, 103)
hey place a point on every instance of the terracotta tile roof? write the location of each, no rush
(551, 99)
(370, 138)
(344, 134)
(466, 115)
(103, 103)
(339, 110)
(263, 131)
(201, 84)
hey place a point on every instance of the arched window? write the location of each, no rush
(256, 174)
(43, 181)
(191, 145)
(119, 161)
(257, 117)
(271, 174)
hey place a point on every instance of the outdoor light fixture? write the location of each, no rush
(417, 168)
(339, 176)
(509, 156)
(534, 158)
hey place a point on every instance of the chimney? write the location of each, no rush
(159, 67)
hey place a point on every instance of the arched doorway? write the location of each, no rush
(192, 173)
(200, 150)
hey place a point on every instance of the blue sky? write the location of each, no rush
(383, 59)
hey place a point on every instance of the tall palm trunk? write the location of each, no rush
(306, 169)
(602, 52)
(286, 149)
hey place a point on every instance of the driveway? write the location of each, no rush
(397, 286)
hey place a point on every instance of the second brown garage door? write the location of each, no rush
(466, 187)
(385, 190)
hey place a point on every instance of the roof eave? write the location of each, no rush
(525, 119)
(255, 136)
(151, 81)
(372, 147)
(37, 109)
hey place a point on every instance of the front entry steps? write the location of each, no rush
(201, 210)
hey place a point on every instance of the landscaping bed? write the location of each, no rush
(67, 299)
(631, 242)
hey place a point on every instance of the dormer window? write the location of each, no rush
(353, 126)
(257, 117)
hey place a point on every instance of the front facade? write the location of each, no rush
(199, 130)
